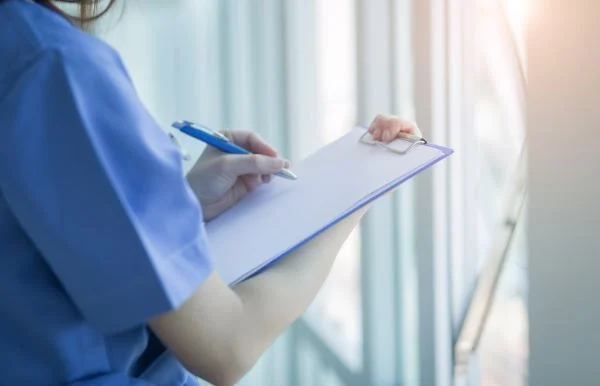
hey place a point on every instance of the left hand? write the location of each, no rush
(222, 180)
(386, 128)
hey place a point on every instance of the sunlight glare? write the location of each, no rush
(519, 12)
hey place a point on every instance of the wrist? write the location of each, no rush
(207, 213)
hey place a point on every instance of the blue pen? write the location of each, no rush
(220, 142)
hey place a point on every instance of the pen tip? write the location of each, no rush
(287, 174)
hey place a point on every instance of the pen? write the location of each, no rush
(220, 142)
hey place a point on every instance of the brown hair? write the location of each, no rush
(89, 10)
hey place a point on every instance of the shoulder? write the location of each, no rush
(31, 35)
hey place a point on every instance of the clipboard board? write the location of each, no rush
(334, 182)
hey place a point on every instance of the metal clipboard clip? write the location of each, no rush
(413, 141)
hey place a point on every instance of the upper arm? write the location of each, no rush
(100, 191)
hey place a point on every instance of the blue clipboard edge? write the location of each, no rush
(446, 152)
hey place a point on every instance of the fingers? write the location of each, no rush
(257, 164)
(251, 182)
(387, 128)
(250, 141)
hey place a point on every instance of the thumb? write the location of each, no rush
(239, 165)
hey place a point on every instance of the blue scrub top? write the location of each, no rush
(99, 231)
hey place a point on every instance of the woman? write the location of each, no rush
(105, 273)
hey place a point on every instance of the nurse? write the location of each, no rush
(105, 273)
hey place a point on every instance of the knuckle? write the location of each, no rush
(254, 161)
(254, 136)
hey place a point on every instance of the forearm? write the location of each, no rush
(219, 333)
(277, 297)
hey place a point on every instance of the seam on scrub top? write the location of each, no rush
(179, 251)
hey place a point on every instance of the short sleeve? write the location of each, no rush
(100, 190)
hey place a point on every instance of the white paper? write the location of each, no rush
(280, 215)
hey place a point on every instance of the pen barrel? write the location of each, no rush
(231, 148)
(217, 143)
(221, 143)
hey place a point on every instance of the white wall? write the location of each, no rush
(564, 120)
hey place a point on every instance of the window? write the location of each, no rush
(499, 129)
(302, 73)
(336, 313)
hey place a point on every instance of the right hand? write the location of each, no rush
(221, 180)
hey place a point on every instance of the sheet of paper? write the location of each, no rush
(280, 215)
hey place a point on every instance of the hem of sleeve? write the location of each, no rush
(188, 265)
(134, 303)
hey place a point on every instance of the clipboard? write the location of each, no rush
(334, 182)
(412, 141)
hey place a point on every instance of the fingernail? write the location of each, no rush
(287, 164)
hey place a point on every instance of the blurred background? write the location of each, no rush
(432, 289)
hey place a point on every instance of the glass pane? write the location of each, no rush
(336, 313)
(499, 114)
(503, 350)
(500, 131)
